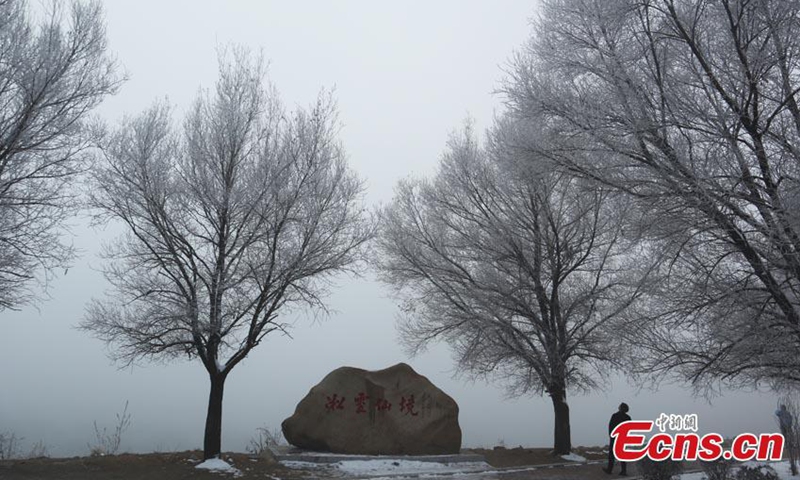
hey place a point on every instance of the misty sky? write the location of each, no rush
(405, 74)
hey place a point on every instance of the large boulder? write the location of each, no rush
(395, 411)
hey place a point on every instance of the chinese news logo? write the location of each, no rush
(632, 444)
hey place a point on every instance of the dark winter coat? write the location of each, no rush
(616, 419)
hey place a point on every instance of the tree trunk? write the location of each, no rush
(212, 442)
(562, 443)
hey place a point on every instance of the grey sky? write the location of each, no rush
(405, 74)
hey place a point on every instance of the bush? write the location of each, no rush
(38, 450)
(265, 439)
(663, 470)
(759, 472)
(108, 443)
(9, 445)
(719, 469)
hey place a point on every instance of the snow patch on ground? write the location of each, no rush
(781, 468)
(402, 467)
(393, 466)
(299, 464)
(217, 465)
(693, 476)
(573, 457)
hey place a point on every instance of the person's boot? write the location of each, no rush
(607, 470)
(623, 473)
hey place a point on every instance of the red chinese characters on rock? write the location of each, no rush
(407, 406)
(334, 403)
(360, 400)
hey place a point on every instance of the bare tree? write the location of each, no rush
(52, 74)
(690, 107)
(230, 227)
(786, 416)
(521, 268)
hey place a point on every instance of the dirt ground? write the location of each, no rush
(513, 463)
(514, 457)
(173, 466)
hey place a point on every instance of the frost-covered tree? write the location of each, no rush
(53, 71)
(520, 268)
(231, 224)
(691, 108)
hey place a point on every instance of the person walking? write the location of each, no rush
(621, 415)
